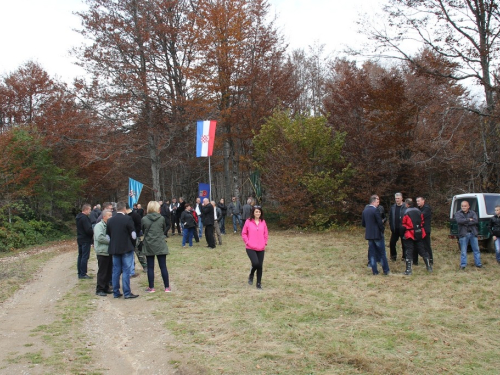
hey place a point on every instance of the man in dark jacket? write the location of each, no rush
(165, 212)
(467, 232)
(121, 231)
(395, 219)
(374, 233)
(247, 212)
(413, 224)
(84, 238)
(94, 214)
(234, 210)
(427, 214)
(207, 211)
(494, 228)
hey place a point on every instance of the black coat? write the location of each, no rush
(427, 212)
(392, 218)
(84, 231)
(136, 218)
(208, 214)
(120, 228)
(372, 221)
(223, 208)
(495, 226)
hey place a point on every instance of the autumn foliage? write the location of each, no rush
(324, 133)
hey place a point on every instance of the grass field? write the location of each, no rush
(322, 312)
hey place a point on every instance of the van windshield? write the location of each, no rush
(491, 201)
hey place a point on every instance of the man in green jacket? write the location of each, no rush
(104, 260)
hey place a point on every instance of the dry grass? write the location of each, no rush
(322, 312)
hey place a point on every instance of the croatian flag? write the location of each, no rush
(205, 136)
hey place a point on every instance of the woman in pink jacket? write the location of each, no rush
(255, 236)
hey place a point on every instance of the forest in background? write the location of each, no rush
(319, 134)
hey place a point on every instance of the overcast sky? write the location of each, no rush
(42, 30)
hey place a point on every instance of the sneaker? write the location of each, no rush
(167, 290)
(479, 266)
(150, 290)
(462, 268)
(235, 232)
(183, 246)
(259, 286)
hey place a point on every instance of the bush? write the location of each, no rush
(21, 233)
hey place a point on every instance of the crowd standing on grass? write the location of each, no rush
(413, 226)
(118, 232)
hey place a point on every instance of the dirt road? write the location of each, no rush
(123, 336)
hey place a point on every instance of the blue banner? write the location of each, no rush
(134, 191)
(203, 191)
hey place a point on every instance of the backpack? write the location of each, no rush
(416, 219)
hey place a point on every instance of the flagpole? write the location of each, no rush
(210, 178)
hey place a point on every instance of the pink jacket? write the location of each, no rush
(255, 236)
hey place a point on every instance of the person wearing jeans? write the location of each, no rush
(235, 210)
(85, 236)
(187, 218)
(467, 231)
(495, 231)
(121, 230)
(374, 234)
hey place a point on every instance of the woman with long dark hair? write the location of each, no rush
(255, 236)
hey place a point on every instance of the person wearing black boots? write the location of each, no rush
(413, 223)
(255, 236)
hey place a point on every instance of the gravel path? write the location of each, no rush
(126, 338)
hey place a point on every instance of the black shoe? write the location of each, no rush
(131, 296)
(118, 296)
(108, 291)
(480, 266)
(84, 277)
(462, 268)
(250, 280)
(101, 294)
(259, 286)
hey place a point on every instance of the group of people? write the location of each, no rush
(117, 232)
(413, 226)
(409, 223)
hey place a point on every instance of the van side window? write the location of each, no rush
(491, 201)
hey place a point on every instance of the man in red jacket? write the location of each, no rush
(413, 224)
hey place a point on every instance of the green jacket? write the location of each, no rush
(154, 228)
(101, 241)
